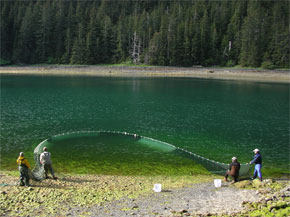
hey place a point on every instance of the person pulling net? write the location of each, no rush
(211, 165)
(45, 160)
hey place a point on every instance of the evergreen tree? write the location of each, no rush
(234, 35)
(19, 10)
(93, 39)
(45, 33)
(107, 41)
(6, 30)
(196, 48)
(177, 51)
(26, 43)
(254, 31)
(205, 39)
(154, 48)
(178, 33)
(60, 31)
(215, 56)
(165, 40)
(278, 53)
(79, 47)
(69, 34)
(121, 53)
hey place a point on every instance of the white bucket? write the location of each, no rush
(217, 183)
(157, 188)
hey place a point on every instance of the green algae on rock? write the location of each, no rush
(275, 199)
(69, 191)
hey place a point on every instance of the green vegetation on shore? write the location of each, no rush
(70, 191)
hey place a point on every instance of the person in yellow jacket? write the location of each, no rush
(23, 166)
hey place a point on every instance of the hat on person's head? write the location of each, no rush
(21, 154)
(234, 158)
(256, 150)
(44, 149)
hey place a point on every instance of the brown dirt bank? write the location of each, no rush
(154, 71)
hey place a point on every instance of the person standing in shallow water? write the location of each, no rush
(23, 166)
(258, 164)
(234, 170)
(45, 160)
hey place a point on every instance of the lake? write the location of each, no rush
(217, 119)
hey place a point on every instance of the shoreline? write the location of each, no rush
(103, 195)
(279, 76)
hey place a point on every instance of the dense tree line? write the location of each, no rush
(177, 33)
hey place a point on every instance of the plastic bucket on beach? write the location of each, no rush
(157, 188)
(217, 183)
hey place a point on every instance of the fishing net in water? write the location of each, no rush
(211, 165)
(38, 173)
(141, 141)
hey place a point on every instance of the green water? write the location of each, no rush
(213, 118)
(118, 154)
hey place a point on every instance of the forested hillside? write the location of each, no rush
(175, 33)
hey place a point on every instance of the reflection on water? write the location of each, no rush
(216, 119)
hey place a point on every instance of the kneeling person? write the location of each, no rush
(23, 166)
(234, 169)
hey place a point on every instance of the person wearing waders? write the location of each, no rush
(23, 166)
(46, 162)
(258, 164)
(234, 170)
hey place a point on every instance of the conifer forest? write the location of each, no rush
(249, 33)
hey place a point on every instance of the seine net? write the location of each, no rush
(211, 165)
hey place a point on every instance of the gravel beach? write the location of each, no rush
(100, 195)
(196, 200)
(154, 71)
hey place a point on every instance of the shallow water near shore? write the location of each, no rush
(213, 118)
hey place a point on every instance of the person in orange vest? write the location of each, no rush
(23, 166)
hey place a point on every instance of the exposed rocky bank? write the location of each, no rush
(95, 195)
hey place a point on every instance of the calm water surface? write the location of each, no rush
(214, 118)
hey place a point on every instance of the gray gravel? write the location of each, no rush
(196, 200)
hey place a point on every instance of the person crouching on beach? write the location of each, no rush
(23, 166)
(46, 162)
(234, 170)
(258, 161)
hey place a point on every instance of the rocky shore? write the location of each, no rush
(274, 198)
(100, 195)
(154, 71)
